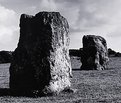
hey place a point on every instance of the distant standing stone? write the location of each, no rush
(94, 54)
(41, 61)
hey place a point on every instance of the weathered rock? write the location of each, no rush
(41, 61)
(95, 54)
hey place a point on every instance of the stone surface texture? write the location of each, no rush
(41, 61)
(94, 55)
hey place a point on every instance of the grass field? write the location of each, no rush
(91, 86)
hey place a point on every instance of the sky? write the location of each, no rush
(85, 17)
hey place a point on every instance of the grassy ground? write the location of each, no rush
(92, 86)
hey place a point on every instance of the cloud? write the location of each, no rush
(88, 17)
(8, 26)
(48, 5)
(42, 5)
(99, 17)
(95, 14)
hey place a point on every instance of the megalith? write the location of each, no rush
(94, 55)
(41, 60)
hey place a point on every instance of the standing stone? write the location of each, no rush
(94, 54)
(41, 61)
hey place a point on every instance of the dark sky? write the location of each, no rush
(85, 17)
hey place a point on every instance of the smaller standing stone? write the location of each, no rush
(95, 54)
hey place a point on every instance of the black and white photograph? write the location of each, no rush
(60, 51)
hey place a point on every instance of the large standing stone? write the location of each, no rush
(94, 54)
(41, 61)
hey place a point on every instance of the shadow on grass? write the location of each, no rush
(34, 93)
(81, 69)
(31, 93)
(76, 69)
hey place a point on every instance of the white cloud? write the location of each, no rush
(70, 12)
(99, 17)
(47, 5)
(88, 17)
(8, 26)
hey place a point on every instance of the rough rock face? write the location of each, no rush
(95, 54)
(41, 61)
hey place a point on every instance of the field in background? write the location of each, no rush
(91, 86)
